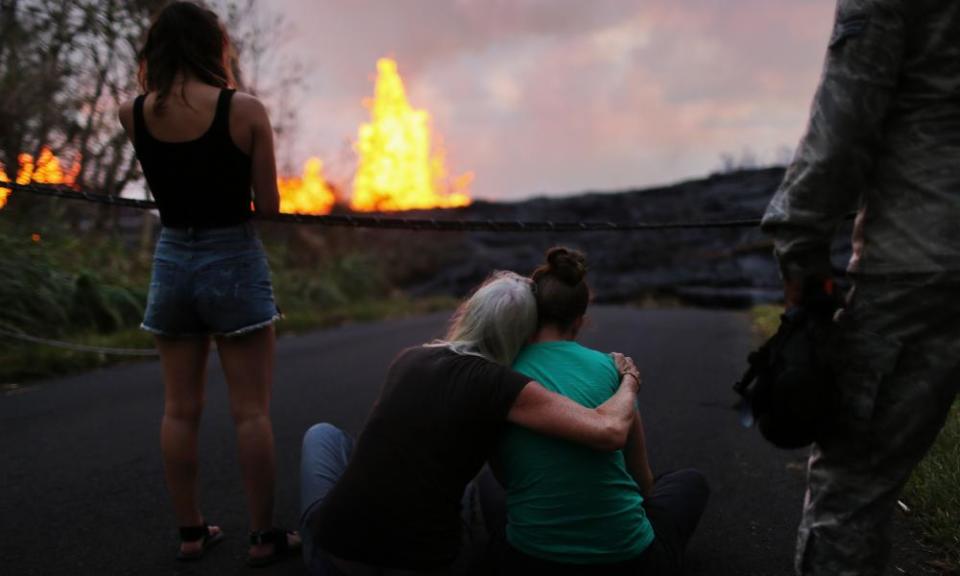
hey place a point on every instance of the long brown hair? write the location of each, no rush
(185, 37)
(561, 289)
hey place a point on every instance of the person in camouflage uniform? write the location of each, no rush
(883, 139)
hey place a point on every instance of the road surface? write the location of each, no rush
(81, 484)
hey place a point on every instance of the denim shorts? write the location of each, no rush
(213, 281)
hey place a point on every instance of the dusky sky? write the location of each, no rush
(564, 96)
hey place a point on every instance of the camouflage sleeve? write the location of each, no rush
(834, 158)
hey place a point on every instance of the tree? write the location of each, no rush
(64, 68)
(747, 160)
(262, 68)
(66, 65)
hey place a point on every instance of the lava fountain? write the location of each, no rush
(398, 168)
(308, 194)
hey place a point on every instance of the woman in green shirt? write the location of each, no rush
(572, 509)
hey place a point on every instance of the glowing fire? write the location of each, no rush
(308, 194)
(401, 165)
(397, 169)
(45, 170)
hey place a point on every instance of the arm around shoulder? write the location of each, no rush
(606, 427)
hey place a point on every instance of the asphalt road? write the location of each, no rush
(81, 485)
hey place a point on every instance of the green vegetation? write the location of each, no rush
(92, 291)
(51, 285)
(933, 492)
(766, 319)
(23, 361)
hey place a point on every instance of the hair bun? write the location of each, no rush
(570, 266)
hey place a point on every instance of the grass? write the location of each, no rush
(22, 362)
(933, 491)
(396, 306)
(91, 290)
(766, 319)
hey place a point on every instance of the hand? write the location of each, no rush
(625, 367)
(621, 362)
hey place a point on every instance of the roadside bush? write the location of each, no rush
(104, 308)
(89, 289)
(336, 283)
(42, 296)
(35, 297)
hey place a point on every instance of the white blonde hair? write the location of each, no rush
(496, 321)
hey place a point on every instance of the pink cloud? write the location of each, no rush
(544, 96)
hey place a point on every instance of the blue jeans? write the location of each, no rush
(324, 457)
(326, 452)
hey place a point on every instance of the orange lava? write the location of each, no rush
(308, 194)
(45, 170)
(401, 165)
(398, 169)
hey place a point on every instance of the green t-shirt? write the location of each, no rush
(566, 502)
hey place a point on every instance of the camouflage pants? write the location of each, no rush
(901, 342)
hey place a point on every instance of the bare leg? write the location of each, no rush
(248, 364)
(184, 364)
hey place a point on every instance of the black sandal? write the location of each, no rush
(200, 534)
(282, 548)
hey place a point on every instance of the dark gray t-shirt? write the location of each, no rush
(436, 422)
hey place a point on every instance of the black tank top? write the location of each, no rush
(202, 183)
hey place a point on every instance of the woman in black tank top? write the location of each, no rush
(203, 148)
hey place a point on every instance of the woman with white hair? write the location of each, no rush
(393, 500)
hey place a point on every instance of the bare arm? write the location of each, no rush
(603, 428)
(264, 163)
(125, 115)
(636, 456)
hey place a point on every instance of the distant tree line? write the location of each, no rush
(748, 159)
